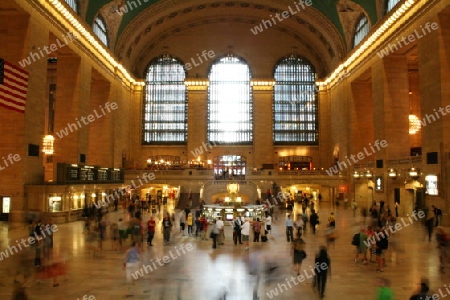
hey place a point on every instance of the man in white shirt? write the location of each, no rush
(245, 231)
(219, 226)
(268, 222)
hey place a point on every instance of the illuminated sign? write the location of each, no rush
(379, 184)
(431, 185)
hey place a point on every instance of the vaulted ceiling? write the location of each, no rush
(319, 30)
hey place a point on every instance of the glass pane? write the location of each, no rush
(295, 109)
(165, 103)
(230, 102)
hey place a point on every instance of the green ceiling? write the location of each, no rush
(327, 7)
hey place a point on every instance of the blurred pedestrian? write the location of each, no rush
(384, 292)
(423, 291)
(322, 260)
(131, 263)
(298, 254)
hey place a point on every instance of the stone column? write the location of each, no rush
(73, 88)
(262, 152)
(197, 120)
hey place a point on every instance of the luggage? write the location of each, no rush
(264, 238)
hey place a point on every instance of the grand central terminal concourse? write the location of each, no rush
(225, 149)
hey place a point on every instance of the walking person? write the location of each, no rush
(429, 225)
(190, 223)
(313, 220)
(289, 229)
(204, 227)
(321, 276)
(268, 222)
(182, 222)
(166, 227)
(151, 226)
(359, 241)
(298, 224)
(256, 230)
(384, 292)
(131, 263)
(331, 220)
(123, 234)
(354, 207)
(245, 230)
(237, 230)
(298, 254)
(423, 291)
(443, 241)
(221, 233)
(214, 234)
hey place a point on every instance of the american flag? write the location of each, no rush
(13, 86)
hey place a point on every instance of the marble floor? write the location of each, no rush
(203, 273)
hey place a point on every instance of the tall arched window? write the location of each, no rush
(100, 31)
(73, 4)
(390, 4)
(230, 102)
(165, 103)
(295, 105)
(362, 29)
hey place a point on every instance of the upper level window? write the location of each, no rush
(165, 103)
(295, 112)
(390, 4)
(230, 102)
(73, 4)
(100, 31)
(362, 29)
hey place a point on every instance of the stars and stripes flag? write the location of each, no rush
(13, 86)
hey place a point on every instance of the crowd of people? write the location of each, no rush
(138, 229)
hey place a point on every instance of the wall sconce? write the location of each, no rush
(227, 199)
(369, 175)
(239, 199)
(413, 173)
(392, 173)
(356, 175)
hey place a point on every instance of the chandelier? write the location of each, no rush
(414, 124)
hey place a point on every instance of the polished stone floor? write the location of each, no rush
(208, 274)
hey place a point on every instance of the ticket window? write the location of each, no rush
(55, 203)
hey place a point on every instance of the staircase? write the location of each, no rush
(184, 200)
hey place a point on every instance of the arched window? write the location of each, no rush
(295, 111)
(100, 31)
(362, 29)
(73, 4)
(230, 102)
(390, 4)
(165, 103)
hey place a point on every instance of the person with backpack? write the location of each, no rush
(381, 245)
(359, 240)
